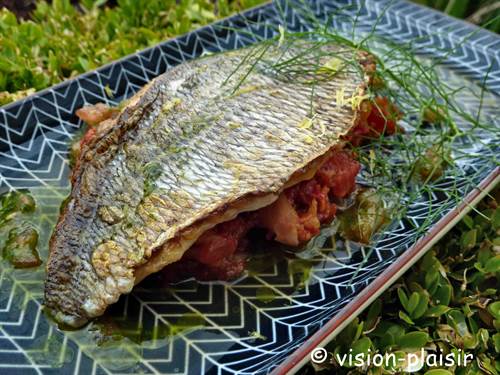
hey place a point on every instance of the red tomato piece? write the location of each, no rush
(339, 174)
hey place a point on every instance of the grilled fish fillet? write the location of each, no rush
(200, 144)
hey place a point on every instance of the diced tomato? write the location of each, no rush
(220, 242)
(339, 174)
(359, 132)
(383, 117)
(216, 255)
(309, 223)
(374, 119)
(212, 247)
(302, 196)
(298, 213)
(326, 209)
(95, 114)
(286, 224)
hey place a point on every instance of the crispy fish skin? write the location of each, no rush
(191, 144)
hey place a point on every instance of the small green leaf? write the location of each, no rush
(494, 309)
(483, 255)
(457, 320)
(7, 19)
(99, 3)
(396, 330)
(467, 220)
(438, 371)
(472, 324)
(348, 334)
(486, 365)
(496, 324)
(412, 303)
(470, 342)
(431, 280)
(413, 340)
(492, 265)
(495, 219)
(435, 311)
(361, 346)
(403, 298)
(373, 313)
(388, 333)
(387, 341)
(442, 295)
(469, 238)
(428, 261)
(423, 302)
(496, 342)
(84, 63)
(483, 336)
(457, 8)
(403, 316)
(359, 331)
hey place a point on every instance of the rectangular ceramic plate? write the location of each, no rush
(217, 327)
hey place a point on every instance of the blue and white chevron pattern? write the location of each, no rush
(240, 328)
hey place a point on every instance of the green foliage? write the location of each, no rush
(62, 41)
(449, 301)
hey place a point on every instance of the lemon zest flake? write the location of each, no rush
(247, 89)
(340, 97)
(308, 139)
(306, 123)
(168, 106)
(281, 30)
(322, 126)
(356, 100)
(234, 125)
(372, 157)
(332, 66)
